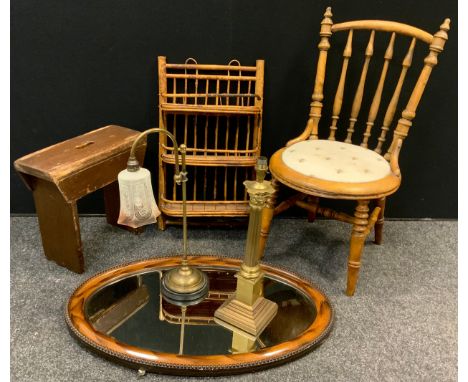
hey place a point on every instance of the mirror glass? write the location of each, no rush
(132, 311)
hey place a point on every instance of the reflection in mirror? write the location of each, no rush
(295, 314)
(222, 286)
(117, 305)
(132, 312)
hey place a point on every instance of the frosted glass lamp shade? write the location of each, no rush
(137, 204)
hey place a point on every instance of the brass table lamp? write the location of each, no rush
(183, 285)
(248, 313)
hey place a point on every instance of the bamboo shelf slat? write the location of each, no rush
(199, 208)
(209, 109)
(214, 160)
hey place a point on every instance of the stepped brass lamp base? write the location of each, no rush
(184, 285)
(251, 319)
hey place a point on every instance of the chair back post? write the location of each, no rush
(317, 96)
(311, 130)
(404, 123)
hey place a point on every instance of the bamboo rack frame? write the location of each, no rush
(216, 111)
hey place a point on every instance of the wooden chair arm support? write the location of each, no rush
(394, 159)
(305, 135)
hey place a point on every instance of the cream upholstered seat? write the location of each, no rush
(335, 161)
(335, 170)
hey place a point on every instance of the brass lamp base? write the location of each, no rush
(184, 285)
(250, 319)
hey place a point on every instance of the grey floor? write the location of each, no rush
(400, 326)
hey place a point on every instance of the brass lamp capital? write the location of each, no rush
(260, 186)
(254, 187)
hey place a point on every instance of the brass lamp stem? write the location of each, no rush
(157, 130)
(183, 179)
(251, 249)
(258, 191)
(183, 285)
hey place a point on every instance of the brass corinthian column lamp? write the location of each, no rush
(248, 313)
(183, 285)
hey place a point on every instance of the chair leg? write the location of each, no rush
(267, 217)
(313, 201)
(358, 238)
(380, 221)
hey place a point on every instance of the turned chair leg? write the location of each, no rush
(358, 238)
(267, 217)
(313, 201)
(380, 221)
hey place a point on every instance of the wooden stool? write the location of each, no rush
(61, 174)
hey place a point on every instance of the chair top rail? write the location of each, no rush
(385, 26)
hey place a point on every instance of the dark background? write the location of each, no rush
(80, 65)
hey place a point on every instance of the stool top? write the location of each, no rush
(62, 159)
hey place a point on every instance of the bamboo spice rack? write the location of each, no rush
(216, 111)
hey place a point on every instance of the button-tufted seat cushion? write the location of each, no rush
(333, 167)
(335, 161)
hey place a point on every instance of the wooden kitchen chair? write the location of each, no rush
(326, 168)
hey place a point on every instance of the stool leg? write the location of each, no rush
(112, 207)
(59, 225)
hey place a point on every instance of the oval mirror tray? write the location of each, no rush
(120, 314)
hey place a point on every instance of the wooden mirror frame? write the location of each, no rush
(147, 360)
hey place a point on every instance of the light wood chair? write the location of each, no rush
(326, 168)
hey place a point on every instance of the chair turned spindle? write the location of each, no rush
(389, 114)
(360, 89)
(374, 108)
(338, 102)
(404, 123)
